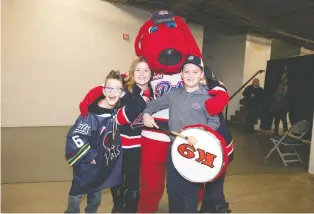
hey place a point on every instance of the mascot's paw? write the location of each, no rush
(217, 103)
(91, 96)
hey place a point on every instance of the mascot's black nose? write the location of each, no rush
(169, 57)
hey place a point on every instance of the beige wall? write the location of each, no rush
(198, 33)
(235, 59)
(225, 55)
(257, 53)
(53, 52)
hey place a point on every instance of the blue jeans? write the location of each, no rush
(93, 202)
(214, 191)
(182, 194)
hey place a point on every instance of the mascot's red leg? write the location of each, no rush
(152, 176)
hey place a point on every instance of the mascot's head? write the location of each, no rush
(165, 41)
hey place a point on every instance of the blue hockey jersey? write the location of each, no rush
(94, 137)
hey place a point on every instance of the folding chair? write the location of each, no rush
(290, 139)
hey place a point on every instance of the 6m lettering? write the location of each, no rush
(188, 151)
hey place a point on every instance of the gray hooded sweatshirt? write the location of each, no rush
(185, 108)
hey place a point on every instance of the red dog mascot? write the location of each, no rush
(165, 41)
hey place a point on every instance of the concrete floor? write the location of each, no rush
(252, 185)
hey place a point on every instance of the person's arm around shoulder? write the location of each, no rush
(219, 101)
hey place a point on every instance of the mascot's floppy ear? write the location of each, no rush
(138, 39)
(193, 47)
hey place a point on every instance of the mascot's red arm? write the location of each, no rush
(89, 98)
(218, 102)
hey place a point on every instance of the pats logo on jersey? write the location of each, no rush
(82, 128)
(112, 151)
(138, 122)
(165, 86)
(108, 141)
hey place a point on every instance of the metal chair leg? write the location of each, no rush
(297, 154)
(272, 150)
(281, 156)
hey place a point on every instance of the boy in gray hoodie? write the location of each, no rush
(186, 107)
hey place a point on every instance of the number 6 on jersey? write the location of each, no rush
(78, 142)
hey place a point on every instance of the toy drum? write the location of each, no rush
(203, 162)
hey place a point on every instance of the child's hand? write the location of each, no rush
(149, 121)
(192, 141)
(93, 162)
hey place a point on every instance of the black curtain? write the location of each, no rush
(300, 73)
(274, 71)
(300, 79)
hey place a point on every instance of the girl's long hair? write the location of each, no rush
(129, 81)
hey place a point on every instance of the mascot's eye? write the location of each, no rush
(171, 24)
(153, 29)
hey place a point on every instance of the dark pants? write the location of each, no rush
(93, 202)
(182, 194)
(126, 196)
(292, 118)
(252, 115)
(214, 198)
(280, 115)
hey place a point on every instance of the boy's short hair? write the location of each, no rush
(195, 60)
(114, 74)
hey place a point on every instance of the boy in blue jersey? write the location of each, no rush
(93, 146)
